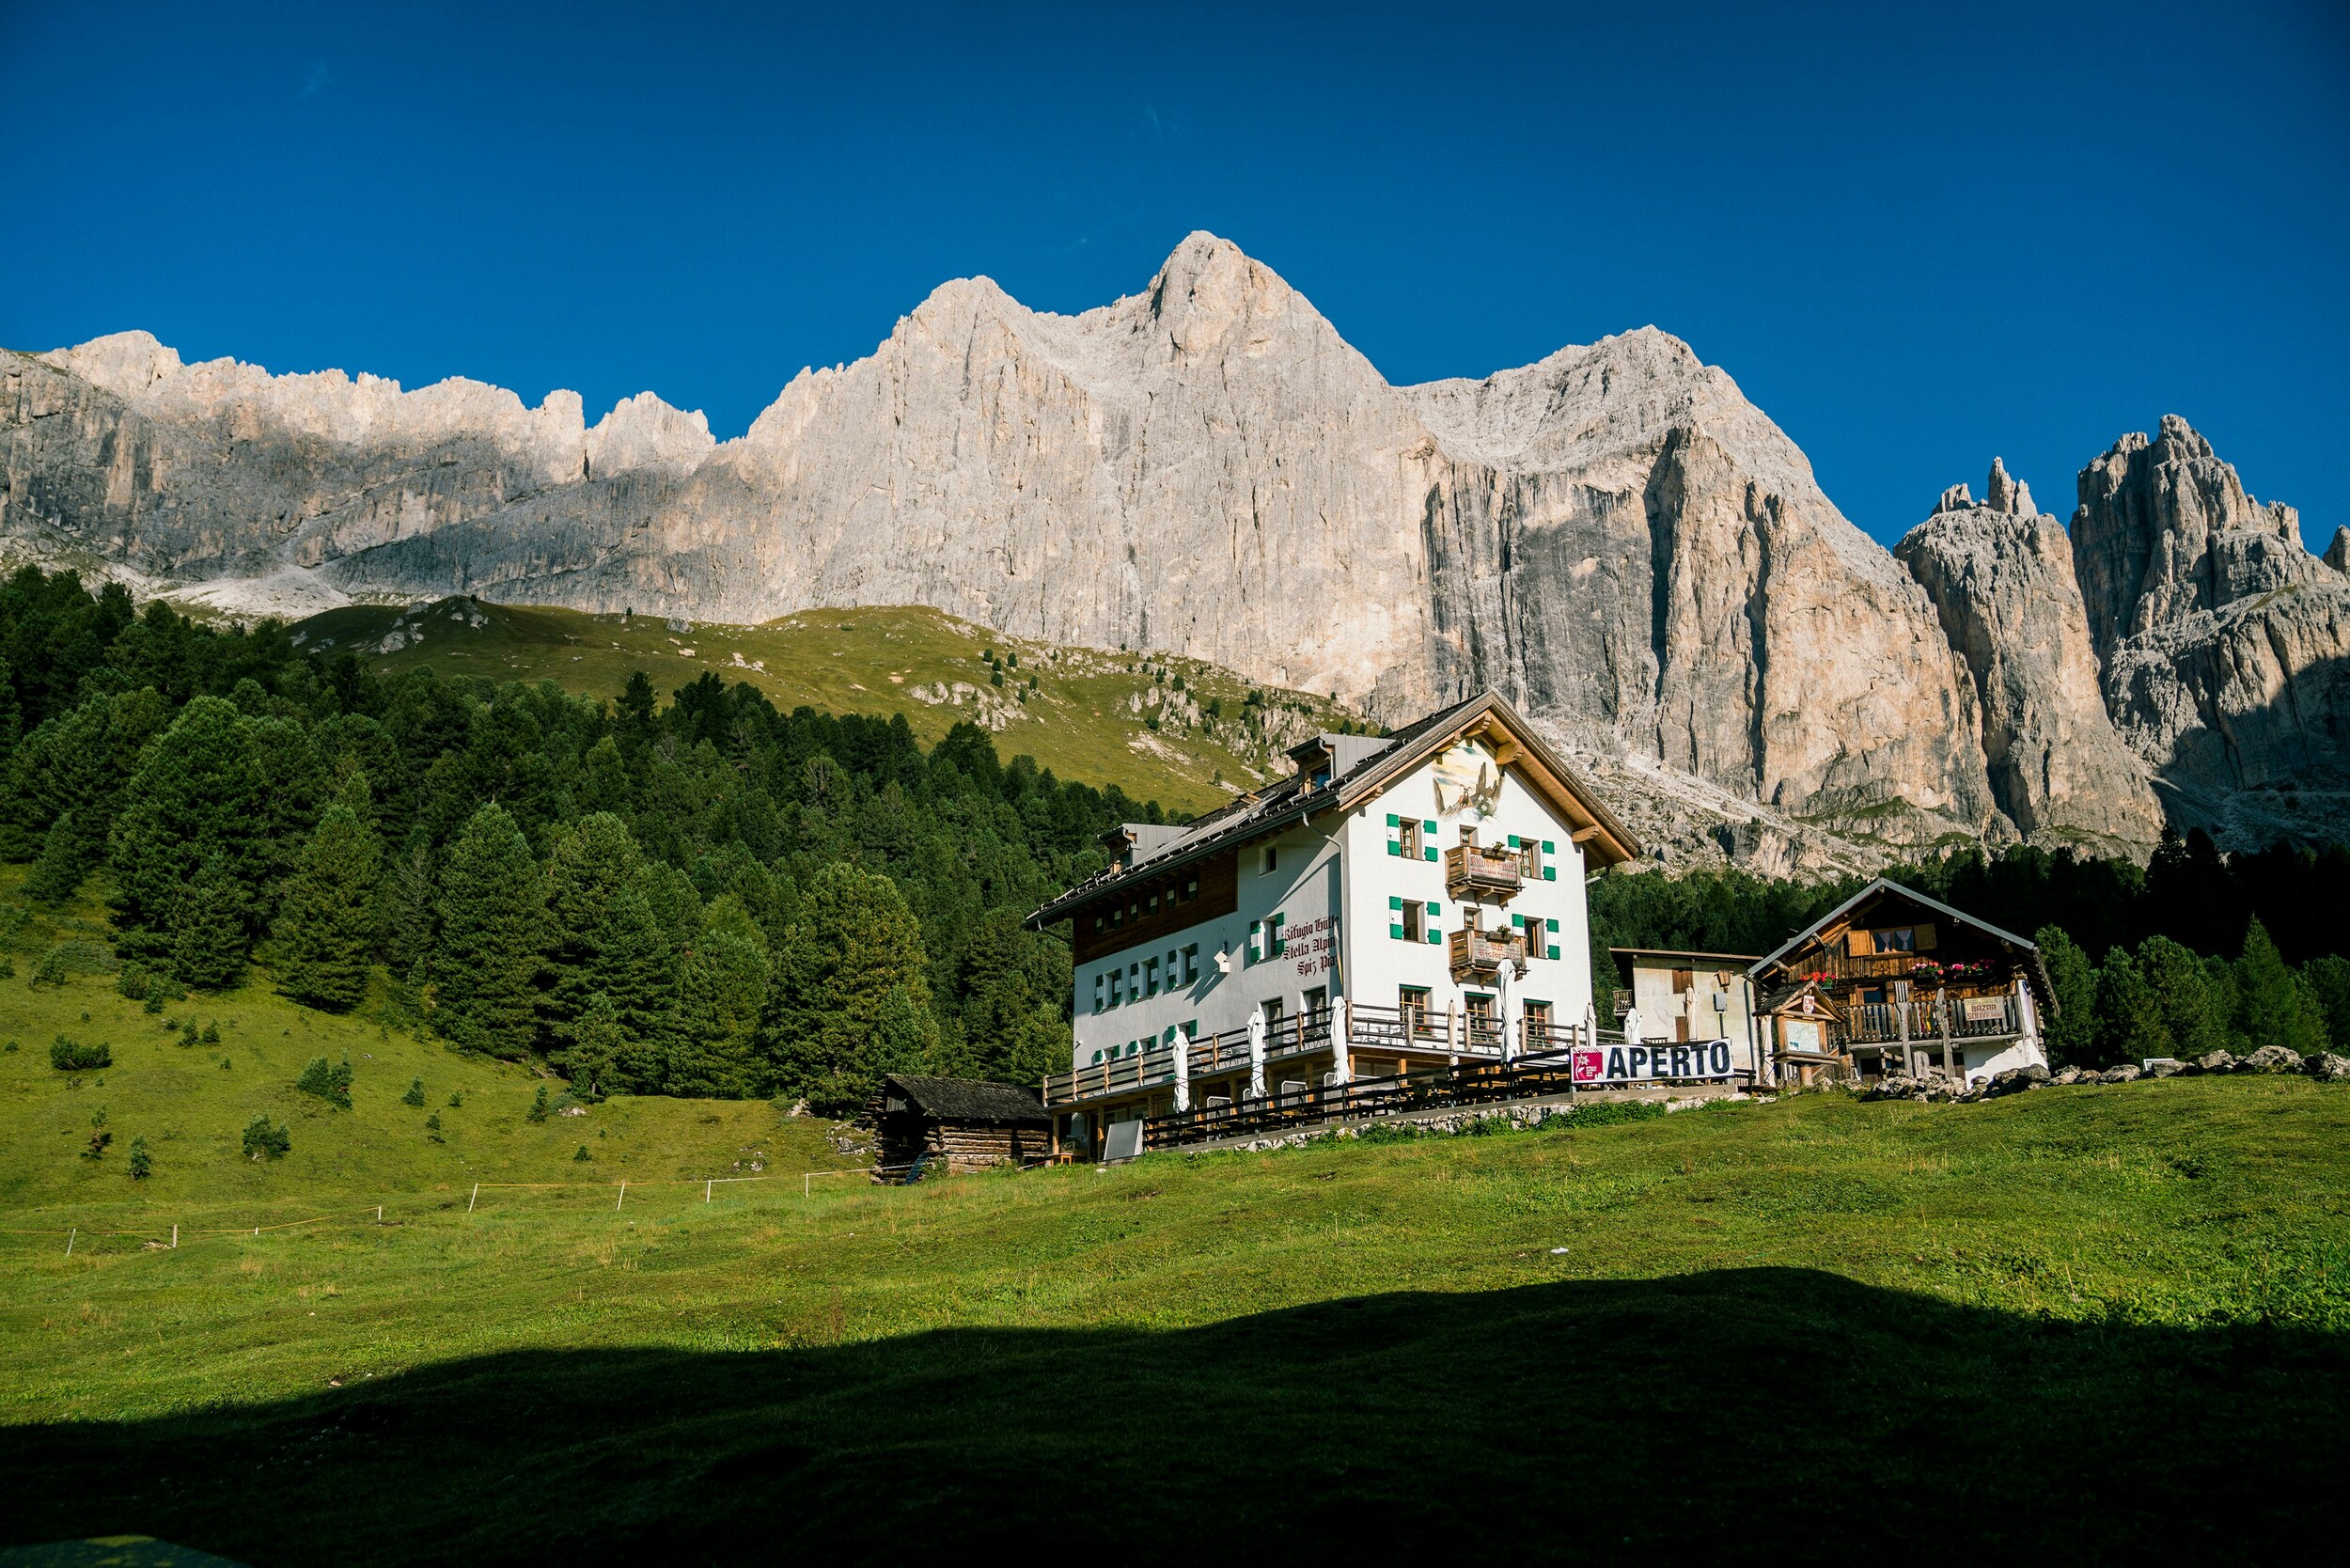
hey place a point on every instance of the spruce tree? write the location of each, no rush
(2129, 1014)
(59, 869)
(193, 803)
(852, 993)
(326, 917)
(588, 868)
(596, 1064)
(2329, 982)
(723, 996)
(486, 957)
(2182, 992)
(2072, 1030)
(2274, 1005)
(404, 905)
(207, 929)
(1011, 1022)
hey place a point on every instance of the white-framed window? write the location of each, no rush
(1272, 859)
(1118, 989)
(1191, 962)
(1097, 993)
(1255, 941)
(1150, 977)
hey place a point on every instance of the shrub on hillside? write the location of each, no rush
(142, 1162)
(415, 1096)
(329, 1083)
(264, 1141)
(74, 956)
(69, 1055)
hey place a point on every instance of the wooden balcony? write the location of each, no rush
(1999, 1017)
(1474, 875)
(1479, 954)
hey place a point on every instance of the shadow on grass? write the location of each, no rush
(1745, 1414)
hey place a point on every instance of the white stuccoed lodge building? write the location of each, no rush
(1401, 902)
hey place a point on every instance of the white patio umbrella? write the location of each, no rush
(1341, 1048)
(1513, 1011)
(1632, 1027)
(1182, 1067)
(1256, 1054)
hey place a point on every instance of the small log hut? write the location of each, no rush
(957, 1124)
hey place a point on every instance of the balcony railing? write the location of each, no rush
(1370, 1028)
(1880, 1023)
(1475, 875)
(1481, 954)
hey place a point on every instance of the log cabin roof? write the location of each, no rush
(1847, 914)
(1293, 800)
(966, 1099)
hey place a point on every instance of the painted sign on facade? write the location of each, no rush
(1314, 944)
(1985, 1010)
(1613, 1064)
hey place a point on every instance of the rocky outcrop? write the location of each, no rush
(2225, 643)
(1614, 536)
(2002, 576)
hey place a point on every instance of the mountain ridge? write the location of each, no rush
(1614, 536)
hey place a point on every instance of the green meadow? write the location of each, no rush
(2101, 1323)
(1095, 716)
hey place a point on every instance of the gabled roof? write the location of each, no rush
(1295, 799)
(1883, 886)
(967, 1099)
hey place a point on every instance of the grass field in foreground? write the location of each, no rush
(1086, 719)
(2106, 1323)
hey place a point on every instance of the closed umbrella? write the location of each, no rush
(1513, 1011)
(1256, 1054)
(1182, 1067)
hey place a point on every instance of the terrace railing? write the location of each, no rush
(1475, 875)
(1880, 1023)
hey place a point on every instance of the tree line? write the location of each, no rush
(2193, 953)
(708, 897)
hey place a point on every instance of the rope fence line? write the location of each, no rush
(373, 1214)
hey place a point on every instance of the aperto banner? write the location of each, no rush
(1614, 1065)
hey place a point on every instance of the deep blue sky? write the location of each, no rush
(1916, 235)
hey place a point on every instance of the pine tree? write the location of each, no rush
(207, 929)
(486, 958)
(852, 995)
(142, 1162)
(414, 1095)
(2274, 1005)
(2129, 1014)
(2071, 1029)
(1011, 1023)
(326, 919)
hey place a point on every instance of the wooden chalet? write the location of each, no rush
(1893, 981)
(957, 1124)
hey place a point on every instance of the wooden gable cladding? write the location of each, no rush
(1127, 918)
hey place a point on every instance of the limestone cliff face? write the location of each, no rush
(2225, 643)
(2002, 577)
(1614, 536)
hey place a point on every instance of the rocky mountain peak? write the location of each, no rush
(2165, 530)
(642, 430)
(124, 363)
(2338, 553)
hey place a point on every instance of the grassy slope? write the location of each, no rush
(2100, 1322)
(1080, 722)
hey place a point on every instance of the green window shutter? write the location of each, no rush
(1550, 925)
(1394, 903)
(1428, 827)
(1394, 821)
(1280, 944)
(1550, 873)
(1396, 932)
(1433, 907)
(1434, 937)
(1518, 920)
(1428, 852)
(1394, 848)
(1549, 847)
(1554, 952)
(1515, 840)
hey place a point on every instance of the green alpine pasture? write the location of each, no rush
(2100, 1322)
(1178, 730)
